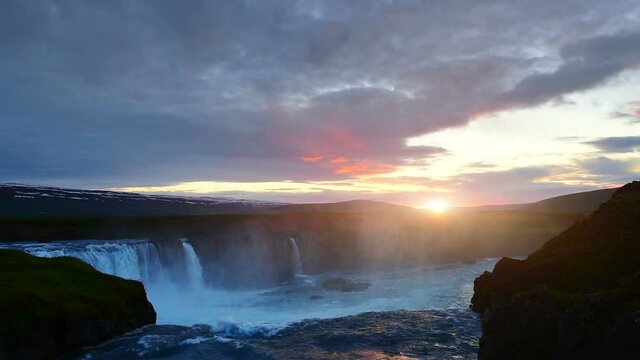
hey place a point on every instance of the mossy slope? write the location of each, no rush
(576, 297)
(51, 306)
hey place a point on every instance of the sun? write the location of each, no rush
(437, 206)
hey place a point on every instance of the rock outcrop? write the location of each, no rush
(578, 297)
(49, 307)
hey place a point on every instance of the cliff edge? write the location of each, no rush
(52, 306)
(576, 297)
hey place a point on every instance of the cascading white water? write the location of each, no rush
(194, 268)
(129, 259)
(297, 264)
(152, 268)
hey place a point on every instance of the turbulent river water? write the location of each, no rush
(417, 312)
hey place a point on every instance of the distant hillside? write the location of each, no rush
(578, 203)
(577, 297)
(18, 200)
(583, 202)
(353, 206)
(489, 208)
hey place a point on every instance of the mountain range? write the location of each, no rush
(19, 200)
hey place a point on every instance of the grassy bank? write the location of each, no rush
(50, 306)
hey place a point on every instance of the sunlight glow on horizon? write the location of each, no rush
(212, 187)
(437, 206)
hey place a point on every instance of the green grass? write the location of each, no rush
(36, 293)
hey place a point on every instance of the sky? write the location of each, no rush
(411, 102)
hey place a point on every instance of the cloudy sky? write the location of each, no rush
(469, 102)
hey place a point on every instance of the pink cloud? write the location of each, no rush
(361, 168)
(339, 160)
(311, 158)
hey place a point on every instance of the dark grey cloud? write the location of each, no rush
(585, 63)
(617, 144)
(607, 170)
(605, 166)
(631, 112)
(128, 93)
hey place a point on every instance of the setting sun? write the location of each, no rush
(437, 206)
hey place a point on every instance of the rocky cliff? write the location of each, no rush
(51, 306)
(577, 297)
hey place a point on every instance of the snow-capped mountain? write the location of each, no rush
(18, 200)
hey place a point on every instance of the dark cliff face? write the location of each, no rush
(576, 297)
(51, 306)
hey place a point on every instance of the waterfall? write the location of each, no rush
(194, 269)
(129, 259)
(295, 260)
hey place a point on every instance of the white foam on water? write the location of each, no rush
(196, 340)
(149, 343)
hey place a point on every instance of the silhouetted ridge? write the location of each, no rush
(585, 202)
(576, 297)
(578, 203)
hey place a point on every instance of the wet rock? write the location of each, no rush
(344, 285)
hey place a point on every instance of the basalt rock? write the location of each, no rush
(578, 297)
(49, 307)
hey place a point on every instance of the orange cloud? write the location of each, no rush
(311, 158)
(339, 160)
(362, 168)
